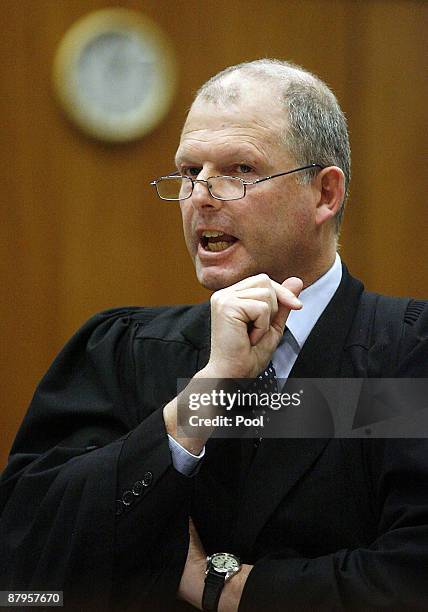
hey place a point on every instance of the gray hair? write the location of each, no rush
(317, 130)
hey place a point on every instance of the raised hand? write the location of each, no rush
(247, 322)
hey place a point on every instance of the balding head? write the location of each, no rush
(315, 128)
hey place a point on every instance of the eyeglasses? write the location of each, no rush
(175, 187)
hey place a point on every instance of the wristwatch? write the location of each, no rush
(220, 568)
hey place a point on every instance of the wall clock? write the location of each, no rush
(115, 74)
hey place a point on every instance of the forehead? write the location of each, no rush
(249, 127)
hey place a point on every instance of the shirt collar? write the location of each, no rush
(314, 299)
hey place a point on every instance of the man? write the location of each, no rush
(103, 496)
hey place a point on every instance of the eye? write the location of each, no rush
(191, 171)
(244, 169)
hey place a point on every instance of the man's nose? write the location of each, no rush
(201, 196)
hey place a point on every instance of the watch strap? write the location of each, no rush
(214, 584)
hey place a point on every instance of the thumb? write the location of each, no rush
(294, 284)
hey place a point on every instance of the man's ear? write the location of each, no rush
(331, 185)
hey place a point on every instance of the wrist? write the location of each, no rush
(214, 371)
(224, 582)
(192, 583)
(224, 369)
(232, 591)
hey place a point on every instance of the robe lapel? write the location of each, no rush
(280, 463)
(198, 333)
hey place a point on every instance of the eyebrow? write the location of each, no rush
(236, 155)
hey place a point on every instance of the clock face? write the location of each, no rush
(115, 74)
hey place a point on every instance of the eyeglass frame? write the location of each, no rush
(243, 182)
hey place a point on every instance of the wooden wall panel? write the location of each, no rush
(81, 229)
(387, 221)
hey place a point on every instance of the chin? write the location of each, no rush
(212, 282)
(215, 279)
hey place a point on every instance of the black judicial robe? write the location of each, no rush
(330, 524)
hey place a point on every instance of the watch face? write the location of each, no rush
(225, 562)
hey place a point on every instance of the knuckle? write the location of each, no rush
(263, 278)
(264, 293)
(216, 297)
(264, 308)
(220, 300)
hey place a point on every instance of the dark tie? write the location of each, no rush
(264, 383)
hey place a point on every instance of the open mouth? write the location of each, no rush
(215, 241)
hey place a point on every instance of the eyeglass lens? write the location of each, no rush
(178, 187)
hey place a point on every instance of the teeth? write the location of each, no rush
(212, 234)
(217, 246)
